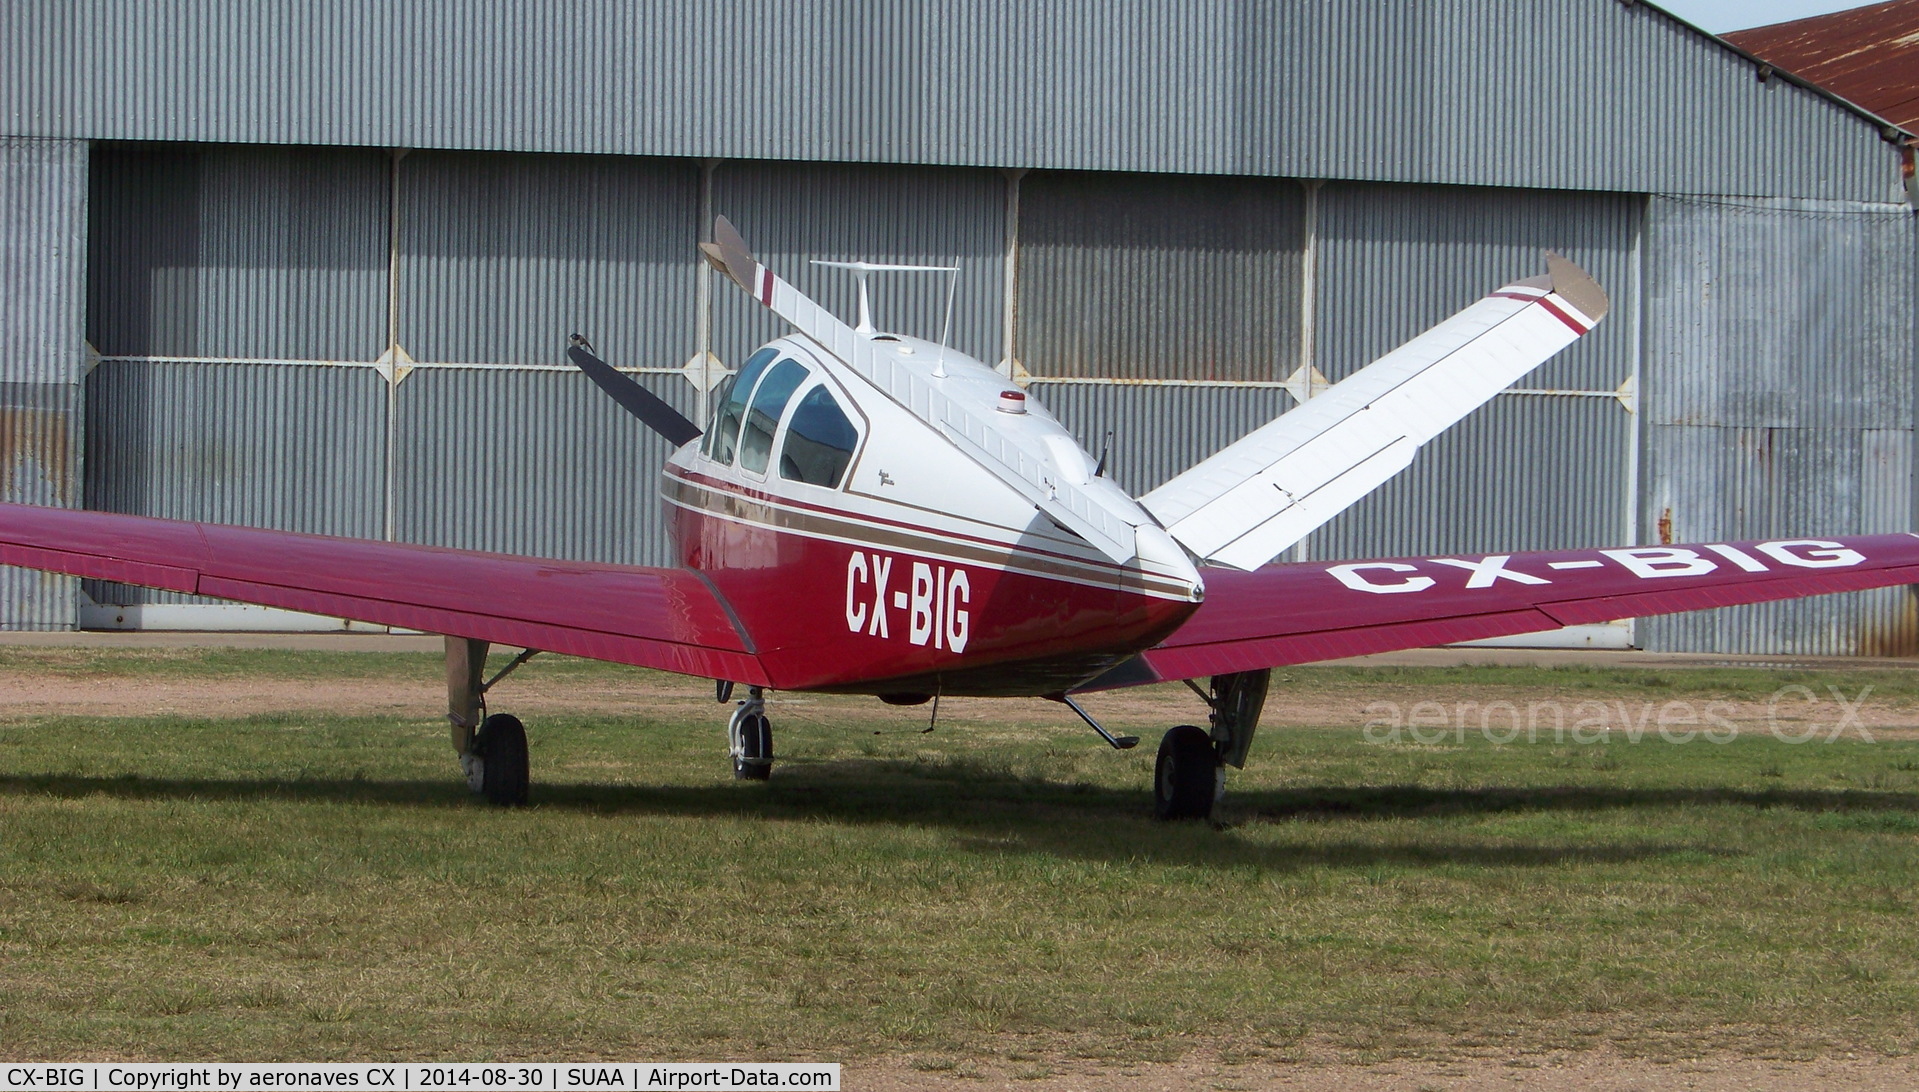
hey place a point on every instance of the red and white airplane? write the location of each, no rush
(875, 514)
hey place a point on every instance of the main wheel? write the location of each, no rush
(754, 759)
(501, 746)
(1188, 775)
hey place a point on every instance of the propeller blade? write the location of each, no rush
(650, 408)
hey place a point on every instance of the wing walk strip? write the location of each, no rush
(855, 530)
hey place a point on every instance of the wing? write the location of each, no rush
(662, 618)
(1292, 614)
(1270, 489)
(1015, 460)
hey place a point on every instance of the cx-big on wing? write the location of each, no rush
(1069, 584)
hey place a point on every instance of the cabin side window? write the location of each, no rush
(819, 441)
(730, 401)
(763, 414)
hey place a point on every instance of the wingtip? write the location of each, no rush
(1576, 286)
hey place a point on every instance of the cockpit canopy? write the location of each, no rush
(777, 404)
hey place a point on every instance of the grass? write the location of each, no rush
(319, 886)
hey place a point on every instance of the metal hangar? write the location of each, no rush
(313, 265)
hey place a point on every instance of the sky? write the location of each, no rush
(1720, 16)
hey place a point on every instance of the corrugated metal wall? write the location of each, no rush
(205, 267)
(793, 213)
(43, 234)
(1779, 401)
(1189, 292)
(502, 256)
(1530, 471)
(530, 462)
(223, 279)
(1159, 276)
(236, 252)
(202, 254)
(1566, 94)
(296, 447)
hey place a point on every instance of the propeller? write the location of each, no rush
(650, 408)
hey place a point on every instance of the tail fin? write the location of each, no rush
(1246, 504)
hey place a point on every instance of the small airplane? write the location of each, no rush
(871, 513)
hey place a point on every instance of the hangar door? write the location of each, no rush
(347, 342)
(1174, 314)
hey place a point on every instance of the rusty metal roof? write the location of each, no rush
(1868, 56)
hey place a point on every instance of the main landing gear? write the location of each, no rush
(749, 735)
(1190, 775)
(492, 749)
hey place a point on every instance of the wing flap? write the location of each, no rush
(1246, 504)
(1292, 614)
(661, 618)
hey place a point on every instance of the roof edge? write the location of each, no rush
(1888, 131)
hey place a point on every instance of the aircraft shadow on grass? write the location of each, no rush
(991, 810)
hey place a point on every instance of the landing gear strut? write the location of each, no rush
(1190, 774)
(749, 736)
(492, 749)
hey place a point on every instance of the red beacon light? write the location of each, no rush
(1012, 402)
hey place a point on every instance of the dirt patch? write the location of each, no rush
(30, 691)
(28, 694)
(1598, 1071)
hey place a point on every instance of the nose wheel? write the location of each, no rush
(749, 736)
(1188, 777)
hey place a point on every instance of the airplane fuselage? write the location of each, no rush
(862, 551)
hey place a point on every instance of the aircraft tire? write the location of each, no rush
(504, 776)
(1186, 777)
(755, 760)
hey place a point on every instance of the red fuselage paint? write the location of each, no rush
(884, 607)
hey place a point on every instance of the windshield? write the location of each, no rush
(730, 399)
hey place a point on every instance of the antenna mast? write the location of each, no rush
(860, 270)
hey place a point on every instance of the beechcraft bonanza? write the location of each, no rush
(869, 513)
